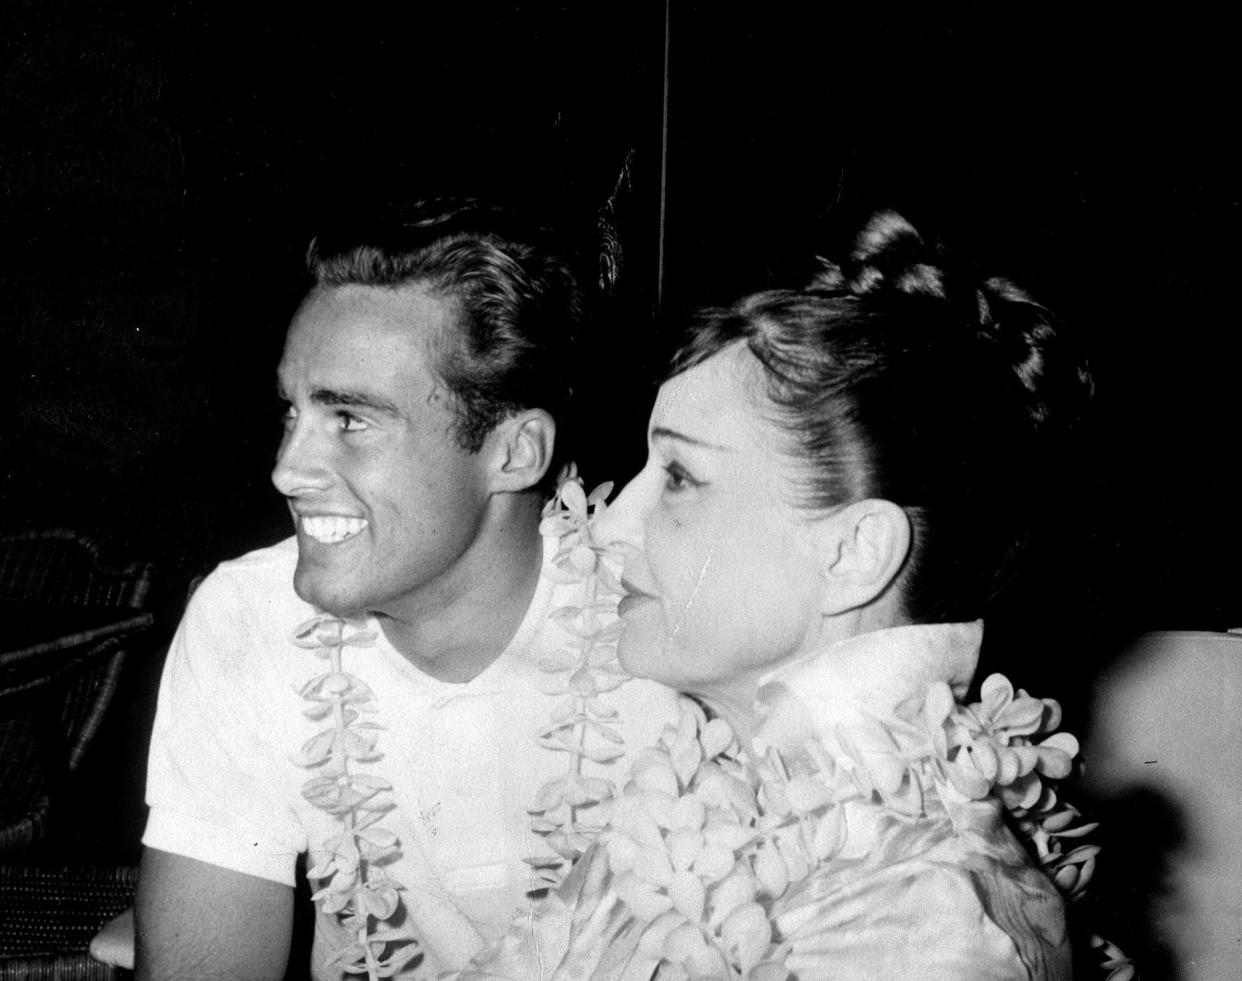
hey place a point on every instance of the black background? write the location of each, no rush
(164, 165)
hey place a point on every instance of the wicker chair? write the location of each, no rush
(48, 716)
(48, 916)
(48, 719)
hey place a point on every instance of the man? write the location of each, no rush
(424, 375)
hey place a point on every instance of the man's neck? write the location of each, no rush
(459, 631)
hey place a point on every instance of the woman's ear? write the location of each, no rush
(862, 547)
(521, 450)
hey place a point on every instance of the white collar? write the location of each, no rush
(864, 676)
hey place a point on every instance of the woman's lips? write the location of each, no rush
(633, 597)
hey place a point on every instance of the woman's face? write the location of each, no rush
(723, 579)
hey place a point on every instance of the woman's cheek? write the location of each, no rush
(662, 551)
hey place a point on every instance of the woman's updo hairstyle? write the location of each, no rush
(896, 376)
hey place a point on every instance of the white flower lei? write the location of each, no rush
(358, 889)
(699, 844)
(352, 882)
(582, 724)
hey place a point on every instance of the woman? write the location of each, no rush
(836, 486)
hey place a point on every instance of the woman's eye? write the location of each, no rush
(678, 479)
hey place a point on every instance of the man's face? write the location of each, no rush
(385, 502)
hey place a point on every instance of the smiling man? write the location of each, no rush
(424, 375)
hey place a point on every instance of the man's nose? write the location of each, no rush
(301, 462)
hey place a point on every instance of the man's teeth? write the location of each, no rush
(332, 528)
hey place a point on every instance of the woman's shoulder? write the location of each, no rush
(933, 908)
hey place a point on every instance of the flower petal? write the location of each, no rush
(984, 757)
(967, 781)
(1063, 741)
(997, 692)
(688, 894)
(641, 897)
(684, 845)
(715, 738)
(770, 870)
(747, 934)
(654, 939)
(806, 794)
(688, 812)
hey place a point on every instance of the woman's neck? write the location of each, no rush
(735, 699)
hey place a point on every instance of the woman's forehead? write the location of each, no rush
(714, 401)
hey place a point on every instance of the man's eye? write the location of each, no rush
(678, 479)
(351, 423)
(288, 416)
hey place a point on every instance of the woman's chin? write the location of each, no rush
(645, 657)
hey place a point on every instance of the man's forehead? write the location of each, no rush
(358, 339)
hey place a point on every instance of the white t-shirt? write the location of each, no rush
(224, 787)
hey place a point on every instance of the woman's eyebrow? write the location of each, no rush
(663, 432)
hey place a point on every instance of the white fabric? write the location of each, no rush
(462, 758)
(946, 896)
(949, 896)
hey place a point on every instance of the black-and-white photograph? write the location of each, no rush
(667, 491)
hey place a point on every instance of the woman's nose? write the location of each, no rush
(301, 467)
(621, 524)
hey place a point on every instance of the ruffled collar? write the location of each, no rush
(863, 677)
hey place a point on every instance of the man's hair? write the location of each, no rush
(517, 302)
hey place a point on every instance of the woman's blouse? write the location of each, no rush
(947, 893)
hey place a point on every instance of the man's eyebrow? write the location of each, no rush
(663, 432)
(352, 398)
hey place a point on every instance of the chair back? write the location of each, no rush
(50, 712)
(62, 567)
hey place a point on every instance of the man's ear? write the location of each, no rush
(862, 547)
(521, 450)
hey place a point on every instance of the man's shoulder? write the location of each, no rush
(261, 579)
(283, 556)
(242, 613)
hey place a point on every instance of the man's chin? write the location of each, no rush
(339, 602)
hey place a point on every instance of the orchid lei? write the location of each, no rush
(701, 845)
(354, 883)
(702, 848)
(582, 724)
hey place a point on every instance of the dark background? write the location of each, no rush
(163, 166)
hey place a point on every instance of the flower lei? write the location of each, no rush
(357, 888)
(353, 882)
(701, 846)
(581, 724)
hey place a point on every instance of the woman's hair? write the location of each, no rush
(896, 377)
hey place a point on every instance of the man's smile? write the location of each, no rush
(331, 529)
